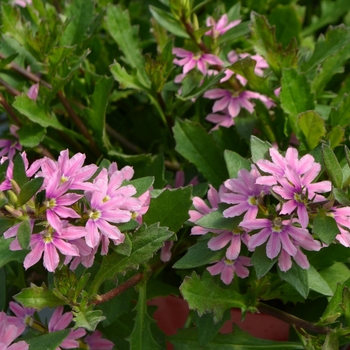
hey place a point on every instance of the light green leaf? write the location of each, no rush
(325, 227)
(170, 208)
(204, 295)
(313, 127)
(166, 20)
(145, 242)
(235, 33)
(196, 145)
(332, 165)
(187, 339)
(141, 337)
(87, 318)
(340, 115)
(80, 15)
(340, 196)
(198, 255)
(38, 297)
(235, 162)
(259, 149)
(297, 278)
(125, 80)
(119, 27)
(317, 283)
(336, 136)
(49, 341)
(31, 135)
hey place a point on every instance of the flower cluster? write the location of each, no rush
(282, 226)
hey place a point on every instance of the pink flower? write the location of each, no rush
(22, 3)
(8, 147)
(24, 315)
(221, 26)
(342, 218)
(285, 260)
(95, 342)
(165, 252)
(8, 333)
(189, 60)
(48, 241)
(227, 268)
(220, 119)
(244, 194)
(60, 321)
(280, 235)
(33, 92)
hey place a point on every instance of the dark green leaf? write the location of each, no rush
(187, 339)
(23, 234)
(297, 278)
(38, 297)
(29, 189)
(332, 165)
(128, 226)
(5, 61)
(87, 318)
(340, 196)
(204, 295)
(7, 255)
(119, 27)
(166, 20)
(31, 135)
(313, 128)
(145, 242)
(198, 255)
(259, 149)
(3, 289)
(141, 337)
(141, 185)
(196, 145)
(126, 247)
(3, 170)
(49, 341)
(235, 162)
(19, 173)
(262, 264)
(170, 208)
(81, 16)
(325, 227)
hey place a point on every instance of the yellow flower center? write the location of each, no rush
(229, 262)
(94, 214)
(107, 198)
(277, 225)
(51, 203)
(48, 235)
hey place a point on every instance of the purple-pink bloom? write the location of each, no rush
(342, 218)
(10, 332)
(23, 315)
(33, 92)
(96, 342)
(8, 147)
(285, 260)
(279, 235)
(244, 194)
(60, 321)
(189, 60)
(220, 119)
(22, 3)
(221, 26)
(48, 242)
(227, 268)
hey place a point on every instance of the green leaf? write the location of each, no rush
(87, 318)
(3, 290)
(216, 221)
(29, 189)
(96, 113)
(338, 272)
(245, 67)
(49, 341)
(141, 185)
(7, 255)
(332, 165)
(262, 264)
(235, 162)
(325, 227)
(340, 196)
(287, 21)
(125, 80)
(345, 305)
(38, 297)
(36, 113)
(317, 282)
(3, 169)
(167, 21)
(80, 15)
(198, 255)
(336, 136)
(336, 38)
(187, 339)
(19, 173)
(297, 278)
(196, 145)
(296, 96)
(340, 115)
(312, 126)
(259, 149)
(207, 328)
(23, 234)
(145, 242)
(235, 33)
(119, 27)
(126, 247)
(204, 295)
(141, 337)
(31, 135)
